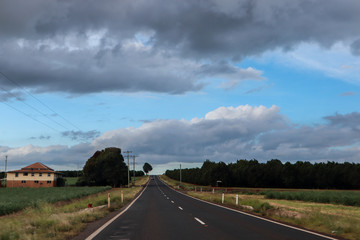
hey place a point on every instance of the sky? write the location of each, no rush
(178, 82)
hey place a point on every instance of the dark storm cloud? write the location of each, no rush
(151, 45)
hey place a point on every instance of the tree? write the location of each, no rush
(105, 167)
(147, 168)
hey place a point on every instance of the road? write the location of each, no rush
(162, 213)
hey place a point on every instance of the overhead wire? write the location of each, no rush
(41, 102)
(35, 109)
(29, 116)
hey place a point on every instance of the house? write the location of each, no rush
(34, 175)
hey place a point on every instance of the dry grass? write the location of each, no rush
(337, 220)
(63, 220)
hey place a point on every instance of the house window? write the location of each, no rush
(40, 174)
(25, 173)
(49, 174)
(48, 182)
(32, 174)
(36, 181)
(16, 174)
(23, 181)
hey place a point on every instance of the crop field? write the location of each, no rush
(16, 199)
(348, 198)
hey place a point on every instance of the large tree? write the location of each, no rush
(105, 167)
(147, 168)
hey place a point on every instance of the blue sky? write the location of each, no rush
(222, 80)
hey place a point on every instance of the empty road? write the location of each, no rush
(162, 213)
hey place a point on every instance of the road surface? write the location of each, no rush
(162, 213)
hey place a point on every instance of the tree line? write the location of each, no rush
(273, 174)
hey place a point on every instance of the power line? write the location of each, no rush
(35, 109)
(37, 99)
(29, 116)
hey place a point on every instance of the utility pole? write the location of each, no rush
(180, 174)
(5, 174)
(127, 152)
(134, 169)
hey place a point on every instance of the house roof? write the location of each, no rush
(36, 168)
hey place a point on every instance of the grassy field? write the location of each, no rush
(348, 198)
(15, 199)
(334, 219)
(62, 220)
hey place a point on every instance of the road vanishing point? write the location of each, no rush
(161, 212)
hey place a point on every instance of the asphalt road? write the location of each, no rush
(162, 213)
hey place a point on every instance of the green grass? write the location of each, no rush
(63, 220)
(71, 181)
(348, 198)
(16, 199)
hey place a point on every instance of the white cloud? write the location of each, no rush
(225, 134)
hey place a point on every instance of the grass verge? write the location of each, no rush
(337, 220)
(63, 220)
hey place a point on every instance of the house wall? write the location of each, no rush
(31, 181)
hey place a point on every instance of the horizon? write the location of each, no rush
(218, 80)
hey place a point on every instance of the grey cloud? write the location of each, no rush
(228, 139)
(355, 47)
(80, 135)
(246, 132)
(41, 137)
(6, 96)
(351, 120)
(78, 47)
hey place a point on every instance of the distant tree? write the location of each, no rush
(147, 168)
(139, 173)
(60, 182)
(105, 167)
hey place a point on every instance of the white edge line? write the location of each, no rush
(268, 220)
(181, 208)
(201, 222)
(94, 234)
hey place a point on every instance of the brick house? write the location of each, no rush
(34, 175)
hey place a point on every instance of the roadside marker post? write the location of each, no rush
(108, 200)
(237, 199)
(122, 197)
(222, 198)
(213, 191)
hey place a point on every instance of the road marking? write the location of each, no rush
(167, 198)
(181, 208)
(118, 215)
(250, 215)
(201, 222)
(172, 201)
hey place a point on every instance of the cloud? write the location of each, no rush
(79, 48)
(355, 47)
(6, 96)
(224, 134)
(41, 137)
(346, 94)
(81, 135)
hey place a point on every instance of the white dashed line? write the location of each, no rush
(181, 208)
(172, 201)
(201, 222)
